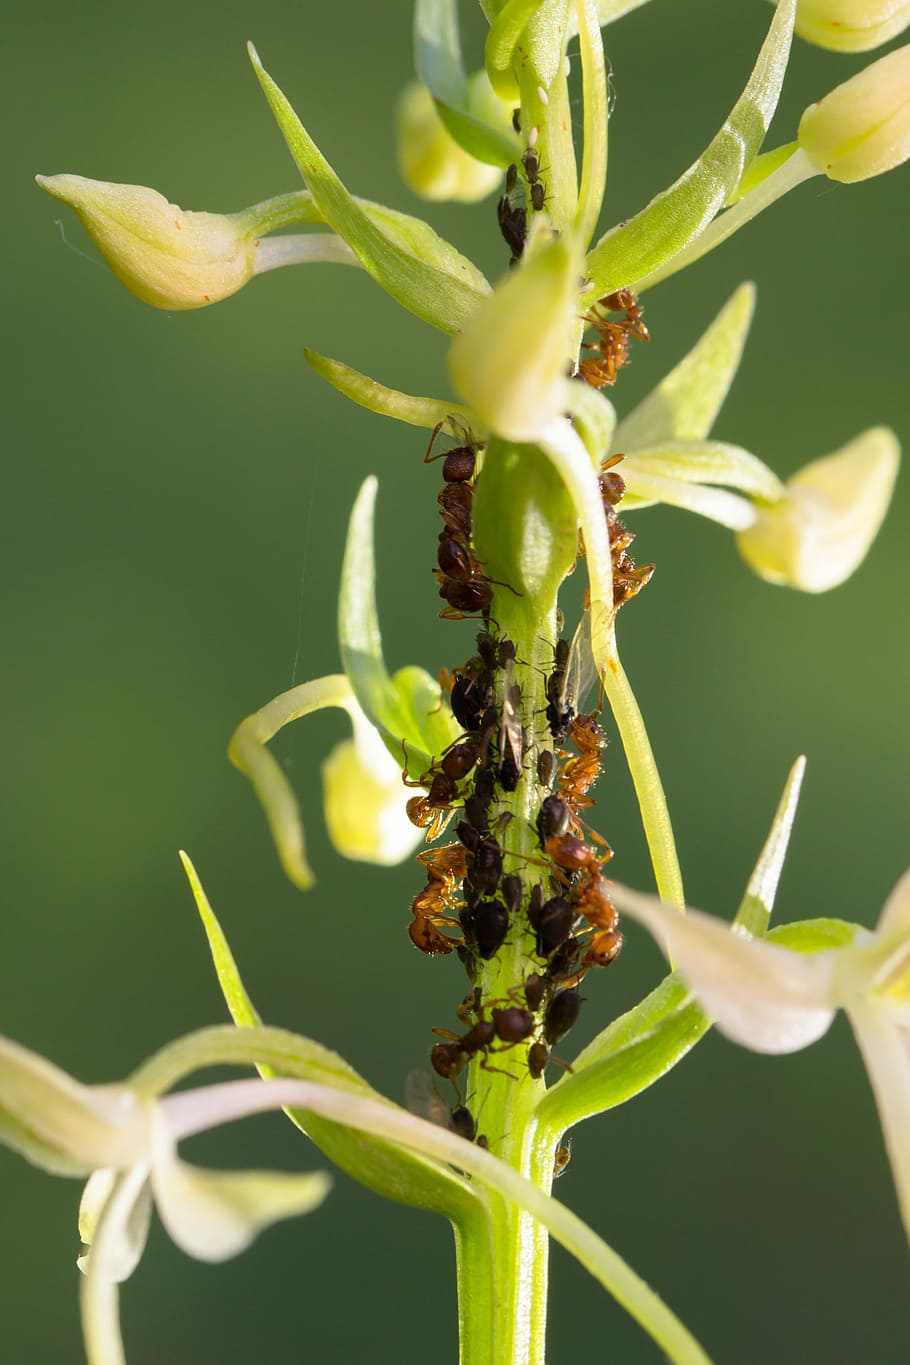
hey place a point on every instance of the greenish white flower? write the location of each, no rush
(125, 1139)
(811, 532)
(820, 531)
(851, 25)
(364, 798)
(773, 998)
(165, 255)
(430, 160)
(862, 128)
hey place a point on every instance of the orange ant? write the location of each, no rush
(612, 344)
(582, 769)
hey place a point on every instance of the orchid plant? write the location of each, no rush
(537, 470)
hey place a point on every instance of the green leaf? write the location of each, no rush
(451, 418)
(814, 935)
(446, 298)
(247, 751)
(410, 706)
(382, 1167)
(630, 1055)
(755, 910)
(439, 65)
(630, 252)
(686, 402)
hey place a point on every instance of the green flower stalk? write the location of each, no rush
(538, 474)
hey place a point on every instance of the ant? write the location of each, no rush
(612, 344)
(582, 769)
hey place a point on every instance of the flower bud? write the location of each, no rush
(165, 255)
(364, 799)
(510, 362)
(862, 128)
(430, 160)
(820, 531)
(851, 25)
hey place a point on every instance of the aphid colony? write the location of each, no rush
(512, 208)
(556, 900)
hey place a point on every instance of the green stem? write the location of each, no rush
(503, 1095)
(652, 802)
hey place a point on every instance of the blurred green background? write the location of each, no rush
(176, 492)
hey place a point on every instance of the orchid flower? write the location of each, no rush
(781, 996)
(125, 1139)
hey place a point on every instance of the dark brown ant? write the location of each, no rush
(538, 196)
(460, 462)
(531, 163)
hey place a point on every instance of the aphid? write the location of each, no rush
(562, 1157)
(573, 674)
(535, 988)
(538, 1056)
(531, 163)
(562, 968)
(471, 695)
(512, 217)
(513, 1025)
(511, 737)
(461, 1121)
(422, 1098)
(553, 819)
(552, 924)
(486, 868)
(547, 767)
(560, 1015)
(511, 890)
(538, 196)
(490, 924)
